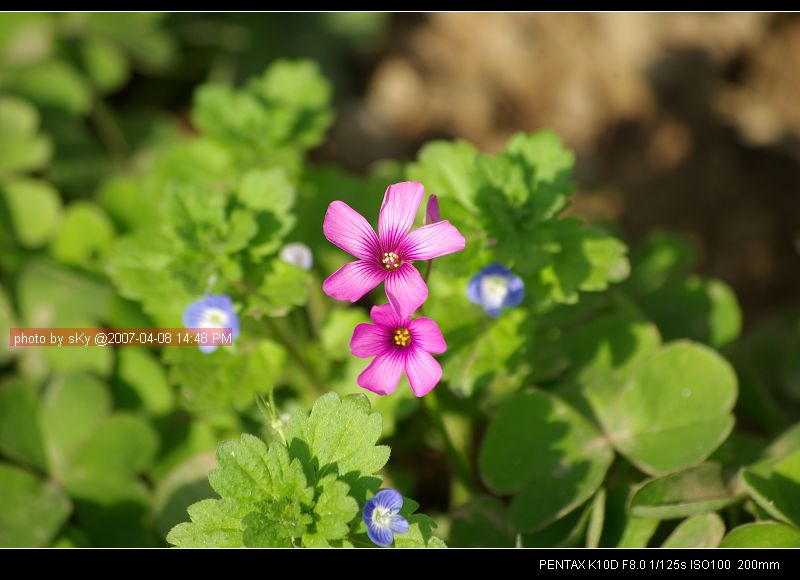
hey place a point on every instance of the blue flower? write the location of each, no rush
(382, 516)
(213, 311)
(496, 288)
(297, 254)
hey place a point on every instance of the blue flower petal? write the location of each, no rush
(474, 290)
(369, 507)
(379, 535)
(207, 348)
(516, 291)
(398, 524)
(194, 313)
(389, 499)
(492, 305)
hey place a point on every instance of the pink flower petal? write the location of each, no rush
(348, 229)
(426, 335)
(432, 214)
(369, 340)
(423, 371)
(383, 373)
(386, 315)
(406, 290)
(353, 280)
(399, 208)
(432, 241)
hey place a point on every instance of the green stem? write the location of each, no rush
(109, 132)
(298, 356)
(457, 459)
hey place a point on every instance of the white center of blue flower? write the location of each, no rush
(494, 290)
(214, 318)
(381, 516)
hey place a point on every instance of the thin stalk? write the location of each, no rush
(457, 459)
(298, 356)
(109, 132)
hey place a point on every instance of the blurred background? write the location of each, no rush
(687, 122)
(681, 122)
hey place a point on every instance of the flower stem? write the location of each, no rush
(458, 460)
(297, 355)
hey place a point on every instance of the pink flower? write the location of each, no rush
(388, 256)
(398, 344)
(432, 214)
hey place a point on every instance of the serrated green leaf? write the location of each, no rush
(339, 437)
(333, 511)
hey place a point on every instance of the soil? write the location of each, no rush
(687, 122)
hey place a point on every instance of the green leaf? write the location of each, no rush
(282, 287)
(446, 169)
(105, 64)
(660, 258)
(103, 471)
(225, 377)
(263, 495)
(673, 411)
(54, 83)
(22, 148)
(621, 529)
(84, 237)
(692, 491)
(7, 320)
(548, 454)
(20, 436)
(139, 34)
(215, 524)
(699, 531)
(33, 510)
(34, 208)
(762, 535)
(481, 523)
(777, 492)
(183, 486)
(703, 310)
(72, 409)
(583, 259)
(333, 511)
(145, 380)
(338, 329)
(339, 436)
(608, 347)
(271, 194)
(596, 518)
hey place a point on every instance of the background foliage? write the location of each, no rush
(144, 163)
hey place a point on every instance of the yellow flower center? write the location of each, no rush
(391, 261)
(402, 337)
